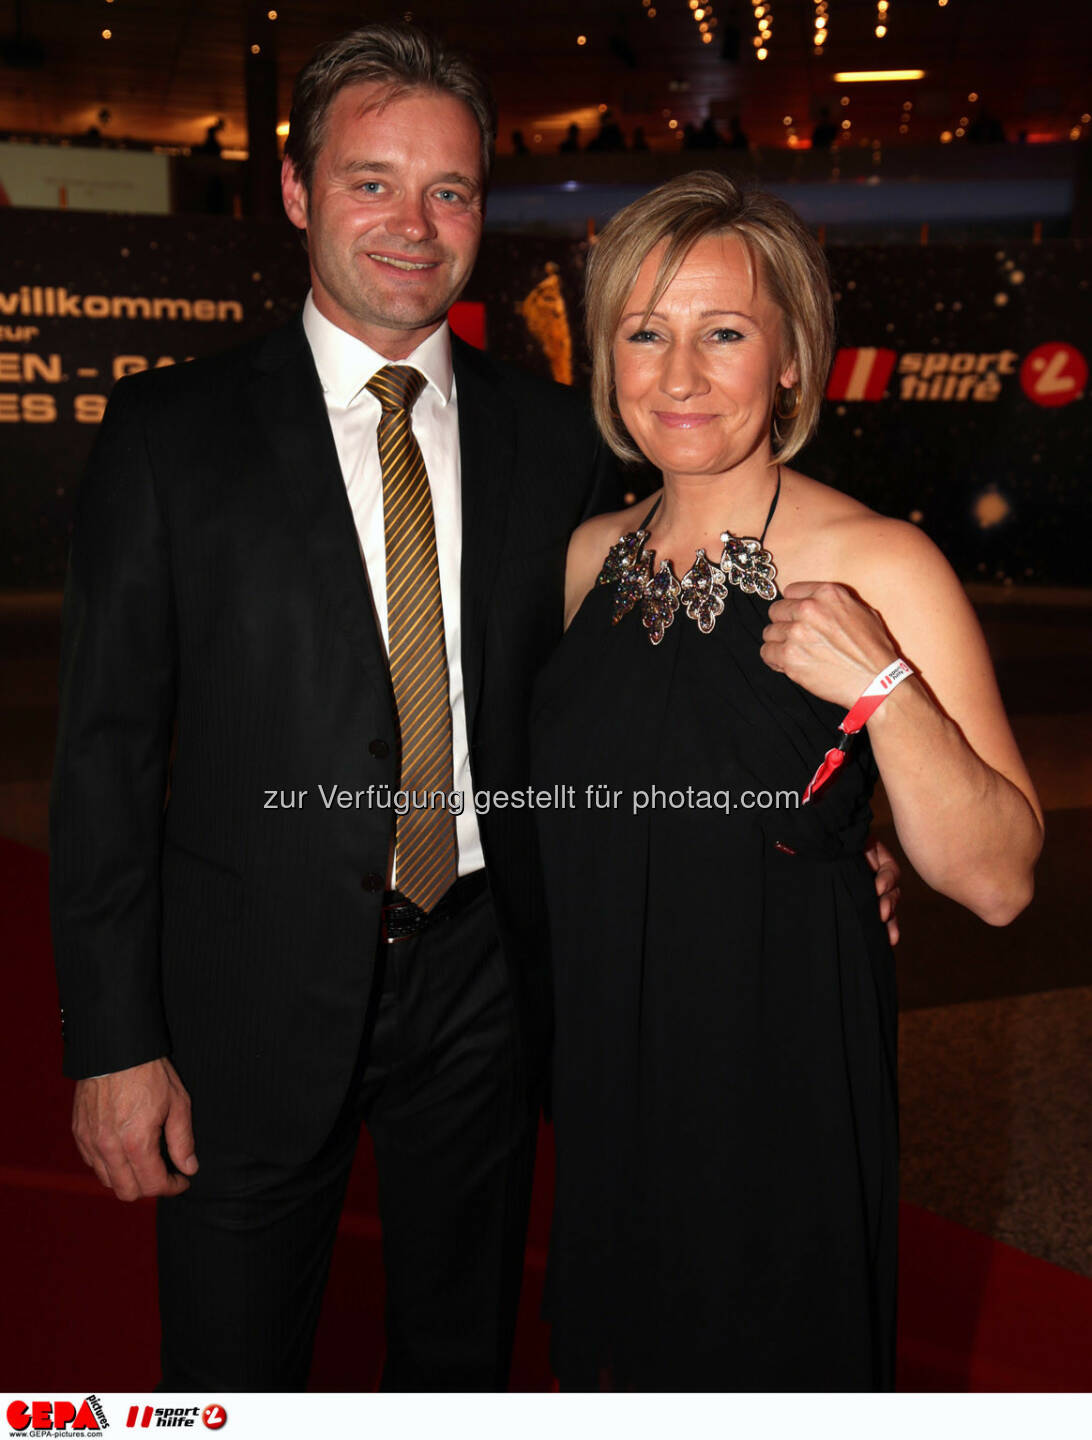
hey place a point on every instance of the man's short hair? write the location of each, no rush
(400, 57)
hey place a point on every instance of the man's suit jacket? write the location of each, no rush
(216, 597)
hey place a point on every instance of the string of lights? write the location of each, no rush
(821, 26)
(706, 21)
(763, 15)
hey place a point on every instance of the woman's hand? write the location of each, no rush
(826, 639)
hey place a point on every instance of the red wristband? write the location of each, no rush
(855, 719)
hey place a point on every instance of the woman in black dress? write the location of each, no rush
(725, 1076)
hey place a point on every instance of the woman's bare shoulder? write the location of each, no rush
(589, 545)
(851, 543)
(591, 540)
(817, 505)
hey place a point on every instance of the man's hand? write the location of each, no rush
(117, 1120)
(887, 872)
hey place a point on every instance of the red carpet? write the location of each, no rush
(79, 1277)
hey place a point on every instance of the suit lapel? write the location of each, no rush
(291, 416)
(487, 449)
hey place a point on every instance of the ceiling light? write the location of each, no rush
(854, 77)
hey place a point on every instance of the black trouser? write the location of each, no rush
(244, 1253)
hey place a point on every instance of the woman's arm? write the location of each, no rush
(961, 798)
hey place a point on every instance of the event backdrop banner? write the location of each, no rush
(83, 177)
(958, 398)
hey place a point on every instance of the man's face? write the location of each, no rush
(394, 214)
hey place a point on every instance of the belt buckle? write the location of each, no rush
(401, 920)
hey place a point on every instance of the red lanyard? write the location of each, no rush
(855, 719)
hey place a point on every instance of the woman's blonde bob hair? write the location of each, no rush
(786, 257)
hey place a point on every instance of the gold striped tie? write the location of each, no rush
(424, 845)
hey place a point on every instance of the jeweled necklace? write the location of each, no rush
(704, 587)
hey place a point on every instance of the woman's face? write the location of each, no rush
(695, 383)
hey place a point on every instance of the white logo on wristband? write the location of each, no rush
(887, 679)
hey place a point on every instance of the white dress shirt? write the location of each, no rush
(345, 365)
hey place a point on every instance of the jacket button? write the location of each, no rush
(372, 882)
(380, 749)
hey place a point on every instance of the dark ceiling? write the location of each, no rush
(171, 66)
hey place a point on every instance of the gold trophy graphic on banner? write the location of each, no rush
(548, 321)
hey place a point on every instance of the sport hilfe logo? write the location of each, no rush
(176, 1417)
(1054, 374)
(1051, 375)
(860, 374)
(55, 1416)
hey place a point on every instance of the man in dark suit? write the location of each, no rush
(307, 577)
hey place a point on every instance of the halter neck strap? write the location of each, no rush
(769, 516)
(773, 507)
(645, 522)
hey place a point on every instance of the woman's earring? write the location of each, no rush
(792, 409)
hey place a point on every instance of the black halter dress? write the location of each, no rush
(725, 1068)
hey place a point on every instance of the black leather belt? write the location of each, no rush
(401, 919)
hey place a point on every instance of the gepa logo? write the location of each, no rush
(53, 1416)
